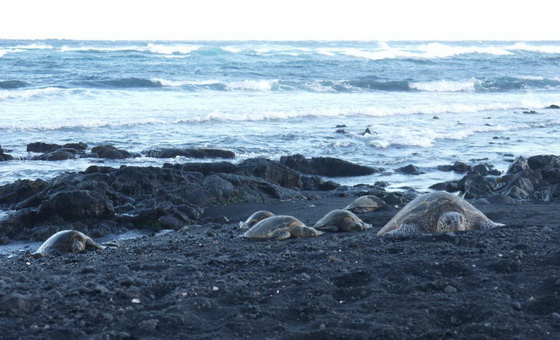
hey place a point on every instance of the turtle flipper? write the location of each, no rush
(487, 225)
(280, 234)
(405, 229)
(91, 243)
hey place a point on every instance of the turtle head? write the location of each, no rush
(301, 231)
(451, 221)
(78, 246)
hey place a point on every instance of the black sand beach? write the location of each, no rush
(203, 281)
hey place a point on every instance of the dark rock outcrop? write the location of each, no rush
(4, 156)
(410, 170)
(41, 147)
(190, 153)
(271, 171)
(110, 152)
(326, 166)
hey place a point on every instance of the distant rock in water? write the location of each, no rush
(326, 166)
(3, 156)
(410, 170)
(110, 152)
(42, 147)
(57, 155)
(190, 153)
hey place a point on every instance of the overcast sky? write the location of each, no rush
(280, 19)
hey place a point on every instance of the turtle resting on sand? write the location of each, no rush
(280, 227)
(66, 241)
(341, 220)
(437, 212)
(366, 203)
(255, 218)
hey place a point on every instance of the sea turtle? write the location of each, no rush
(255, 218)
(66, 241)
(341, 220)
(437, 212)
(280, 227)
(366, 203)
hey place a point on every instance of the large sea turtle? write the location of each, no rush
(255, 218)
(341, 220)
(66, 241)
(280, 227)
(366, 203)
(437, 212)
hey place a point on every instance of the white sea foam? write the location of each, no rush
(101, 49)
(551, 49)
(252, 85)
(427, 51)
(445, 86)
(29, 93)
(34, 46)
(173, 49)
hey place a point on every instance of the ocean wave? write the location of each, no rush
(102, 49)
(84, 124)
(12, 84)
(445, 86)
(548, 49)
(172, 49)
(26, 93)
(34, 46)
(426, 137)
(124, 83)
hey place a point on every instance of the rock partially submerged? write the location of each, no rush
(190, 153)
(326, 166)
(536, 178)
(4, 156)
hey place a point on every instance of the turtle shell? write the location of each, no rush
(341, 220)
(425, 210)
(66, 241)
(267, 227)
(255, 218)
(366, 203)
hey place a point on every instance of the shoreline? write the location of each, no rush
(206, 282)
(202, 280)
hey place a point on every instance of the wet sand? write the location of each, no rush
(204, 282)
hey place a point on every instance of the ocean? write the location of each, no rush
(425, 103)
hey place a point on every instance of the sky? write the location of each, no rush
(279, 20)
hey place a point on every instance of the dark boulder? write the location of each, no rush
(110, 152)
(76, 146)
(554, 107)
(42, 147)
(316, 183)
(271, 171)
(190, 153)
(482, 169)
(544, 162)
(57, 155)
(205, 168)
(450, 186)
(461, 167)
(4, 156)
(552, 176)
(20, 190)
(253, 189)
(410, 170)
(326, 166)
(479, 186)
(77, 205)
(458, 167)
(520, 164)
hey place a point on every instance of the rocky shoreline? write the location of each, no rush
(194, 277)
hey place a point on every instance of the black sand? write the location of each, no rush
(206, 283)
